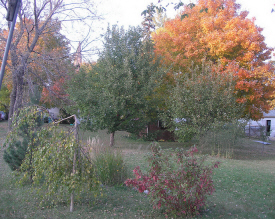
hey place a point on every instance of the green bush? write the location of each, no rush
(109, 163)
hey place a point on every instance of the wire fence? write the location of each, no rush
(256, 131)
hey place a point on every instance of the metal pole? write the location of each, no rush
(8, 43)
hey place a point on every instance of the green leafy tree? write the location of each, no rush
(116, 93)
(201, 100)
(54, 159)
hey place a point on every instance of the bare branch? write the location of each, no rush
(30, 59)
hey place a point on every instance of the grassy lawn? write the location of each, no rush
(245, 186)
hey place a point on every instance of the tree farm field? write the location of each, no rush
(244, 186)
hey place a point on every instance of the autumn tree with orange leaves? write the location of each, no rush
(31, 59)
(51, 67)
(47, 68)
(217, 31)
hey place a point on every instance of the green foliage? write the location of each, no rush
(64, 114)
(58, 163)
(223, 140)
(15, 154)
(115, 93)
(153, 135)
(202, 99)
(109, 164)
(26, 128)
(4, 99)
(54, 165)
(177, 181)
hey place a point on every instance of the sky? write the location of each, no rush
(128, 12)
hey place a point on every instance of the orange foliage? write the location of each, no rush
(48, 62)
(214, 30)
(54, 93)
(7, 80)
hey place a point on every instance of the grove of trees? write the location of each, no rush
(216, 72)
(217, 31)
(144, 73)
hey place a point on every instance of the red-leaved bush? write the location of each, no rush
(177, 180)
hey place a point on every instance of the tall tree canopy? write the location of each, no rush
(34, 50)
(217, 30)
(115, 93)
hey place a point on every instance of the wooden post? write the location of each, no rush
(249, 130)
(74, 164)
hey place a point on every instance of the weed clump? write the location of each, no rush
(109, 164)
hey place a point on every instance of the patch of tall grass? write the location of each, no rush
(109, 163)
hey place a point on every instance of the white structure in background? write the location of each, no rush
(2, 115)
(54, 113)
(267, 123)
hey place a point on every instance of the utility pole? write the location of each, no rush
(13, 8)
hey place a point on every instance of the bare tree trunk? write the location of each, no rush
(16, 97)
(18, 72)
(19, 93)
(12, 102)
(112, 139)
